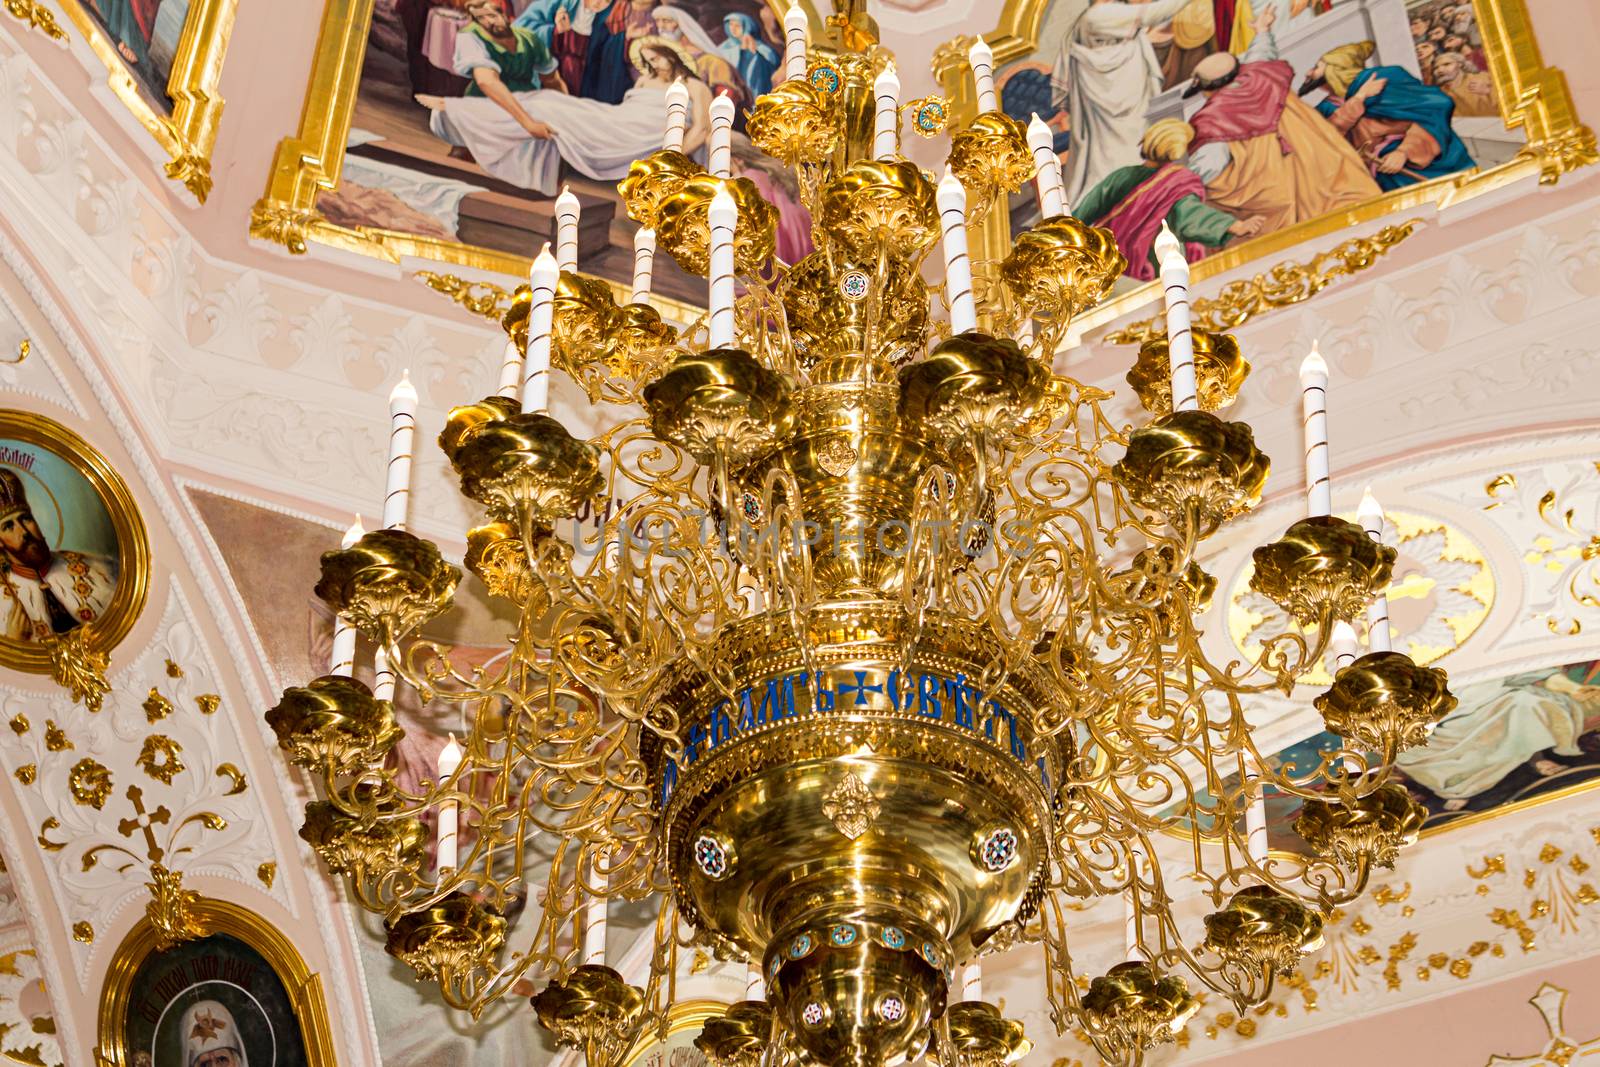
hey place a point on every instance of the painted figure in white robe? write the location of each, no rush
(525, 140)
(211, 1037)
(1498, 727)
(44, 592)
(1106, 75)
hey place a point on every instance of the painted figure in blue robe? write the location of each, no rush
(753, 58)
(607, 72)
(1400, 126)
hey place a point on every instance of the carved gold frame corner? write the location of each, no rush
(189, 134)
(311, 161)
(133, 545)
(1532, 96)
(304, 986)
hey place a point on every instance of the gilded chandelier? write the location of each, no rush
(888, 659)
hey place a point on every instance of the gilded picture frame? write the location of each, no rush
(1532, 96)
(217, 917)
(43, 459)
(189, 134)
(311, 161)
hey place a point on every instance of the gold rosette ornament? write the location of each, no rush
(1192, 466)
(971, 384)
(1219, 370)
(1133, 1009)
(983, 1037)
(683, 225)
(1262, 928)
(991, 156)
(1385, 699)
(594, 1010)
(652, 180)
(1061, 267)
(878, 208)
(516, 463)
(795, 123)
(447, 940)
(1372, 828)
(334, 723)
(720, 403)
(738, 1037)
(388, 583)
(1322, 564)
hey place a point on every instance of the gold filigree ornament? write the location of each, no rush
(1219, 370)
(388, 583)
(1322, 566)
(652, 181)
(78, 666)
(1132, 1008)
(1367, 829)
(719, 405)
(594, 1009)
(37, 16)
(520, 466)
(479, 297)
(971, 384)
(583, 327)
(982, 1037)
(368, 846)
(1384, 698)
(335, 724)
(851, 807)
(683, 225)
(877, 208)
(1261, 928)
(171, 909)
(89, 781)
(738, 1037)
(1061, 267)
(1194, 469)
(796, 123)
(448, 940)
(496, 555)
(991, 157)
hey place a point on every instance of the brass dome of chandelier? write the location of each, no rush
(889, 654)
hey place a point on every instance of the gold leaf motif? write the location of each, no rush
(159, 758)
(171, 908)
(55, 738)
(38, 17)
(228, 770)
(208, 703)
(90, 783)
(173, 670)
(27, 773)
(837, 457)
(480, 298)
(851, 806)
(267, 872)
(156, 707)
(282, 224)
(52, 823)
(83, 932)
(19, 724)
(78, 667)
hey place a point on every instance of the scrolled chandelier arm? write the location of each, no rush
(853, 563)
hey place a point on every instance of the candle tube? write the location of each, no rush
(644, 261)
(567, 211)
(794, 41)
(343, 660)
(1255, 814)
(677, 116)
(594, 932)
(1180, 336)
(446, 855)
(982, 59)
(1341, 646)
(1046, 168)
(510, 370)
(402, 441)
(972, 981)
(886, 119)
(1314, 416)
(719, 156)
(724, 220)
(536, 368)
(1378, 639)
(755, 987)
(952, 201)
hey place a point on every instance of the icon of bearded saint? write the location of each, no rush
(44, 591)
(210, 1037)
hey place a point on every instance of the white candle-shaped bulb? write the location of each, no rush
(541, 318)
(567, 211)
(972, 981)
(447, 854)
(952, 201)
(1046, 168)
(886, 116)
(1180, 336)
(1255, 814)
(719, 156)
(724, 220)
(982, 59)
(1314, 420)
(594, 931)
(644, 260)
(343, 660)
(1342, 646)
(795, 32)
(402, 443)
(1378, 640)
(755, 986)
(677, 116)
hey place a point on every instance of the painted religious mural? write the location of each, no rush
(471, 116)
(1229, 119)
(146, 35)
